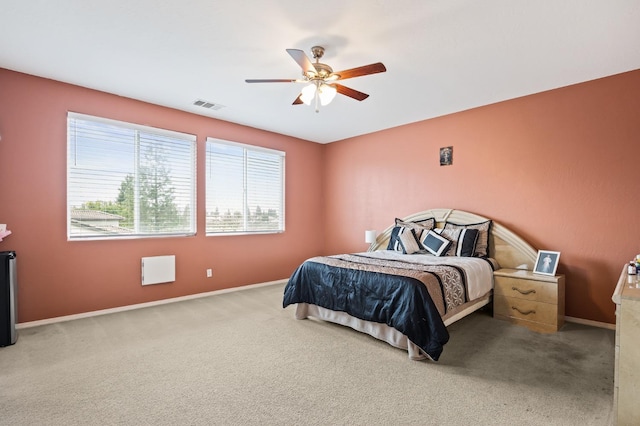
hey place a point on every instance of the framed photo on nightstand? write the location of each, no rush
(547, 262)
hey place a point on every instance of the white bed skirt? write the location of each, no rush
(382, 331)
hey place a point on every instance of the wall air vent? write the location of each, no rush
(208, 105)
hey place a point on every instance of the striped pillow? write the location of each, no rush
(467, 242)
(419, 227)
(463, 241)
(482, 245)
(408, 241)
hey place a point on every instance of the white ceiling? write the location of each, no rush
(442, 56)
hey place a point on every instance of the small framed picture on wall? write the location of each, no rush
(547, 262)
(446, 156)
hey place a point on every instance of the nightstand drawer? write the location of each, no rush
(533, 300)
(539, 312)
(526, 289)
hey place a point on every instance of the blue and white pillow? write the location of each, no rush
(419, 228)
(435, 243)
(484, 229)
(463, 241)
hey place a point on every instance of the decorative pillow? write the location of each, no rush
(434, 243)
(451, 235)
(418, 227)
(482, 244)
(394, 242)
(408, 241)
(463, 241)
(466, 243)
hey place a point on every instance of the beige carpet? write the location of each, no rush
(240, 359)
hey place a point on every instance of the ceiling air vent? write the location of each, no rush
(208, 105)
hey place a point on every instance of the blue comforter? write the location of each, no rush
(399, 297)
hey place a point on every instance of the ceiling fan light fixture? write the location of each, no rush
(308, 93)
(326, 94)
(321, 81)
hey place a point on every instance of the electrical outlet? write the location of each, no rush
(209, 273)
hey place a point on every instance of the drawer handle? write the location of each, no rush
(532, 311)
(525, 292)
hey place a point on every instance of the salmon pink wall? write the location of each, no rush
(57, 277)
(559, 168)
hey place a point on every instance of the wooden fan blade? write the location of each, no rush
(303, 60)
(298, 101)
(347, 91)
(271, 80)
(360, 71)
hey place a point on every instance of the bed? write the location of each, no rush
(422, 273)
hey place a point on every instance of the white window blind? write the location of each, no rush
(127, 180)
(245, 188)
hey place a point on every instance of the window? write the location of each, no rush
(126, 180)
(245, 188)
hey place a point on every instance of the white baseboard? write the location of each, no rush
(591, 323)
(222, 291)
(141, 305)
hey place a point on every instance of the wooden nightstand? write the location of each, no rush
(533, 300)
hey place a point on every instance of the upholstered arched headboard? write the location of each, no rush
(510, 250)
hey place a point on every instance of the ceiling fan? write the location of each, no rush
(321, 78)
